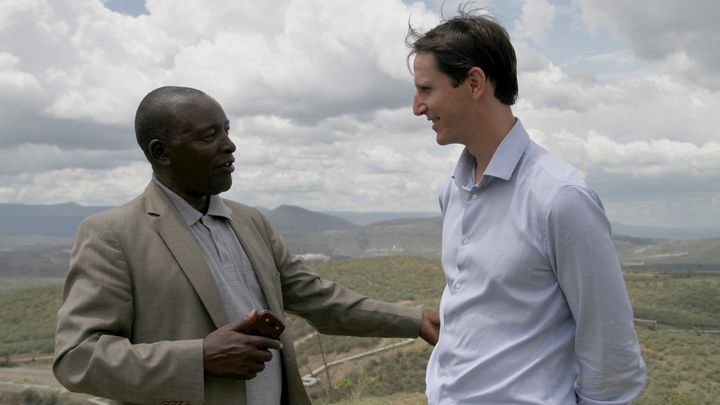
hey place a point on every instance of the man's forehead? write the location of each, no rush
(197, 103)
(424, 61)
(199, 111)
(424, 67)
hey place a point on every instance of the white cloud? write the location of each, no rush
(86, 186)
(650, 159)
(681, 36)
(39, 158)
(658, 182)
(536, 20)
(319, 98)
(629, 107)
(14, 81)
(379, 160)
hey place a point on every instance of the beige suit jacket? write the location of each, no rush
(139, 298)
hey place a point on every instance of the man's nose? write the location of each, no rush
(228, 145)
(418, 106)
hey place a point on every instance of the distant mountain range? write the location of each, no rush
(35, 239)
(62, 220)
(50, 220)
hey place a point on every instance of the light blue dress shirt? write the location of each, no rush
(535, 309)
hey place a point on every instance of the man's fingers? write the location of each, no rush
(258, 355)
(243, 324)
(263, 343)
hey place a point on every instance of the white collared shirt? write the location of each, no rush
(535, 300)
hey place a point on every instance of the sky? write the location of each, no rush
(319, 98)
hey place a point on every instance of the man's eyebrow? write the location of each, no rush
(213, 126)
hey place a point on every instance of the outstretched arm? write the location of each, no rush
(332, 308)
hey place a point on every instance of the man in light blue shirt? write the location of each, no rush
(535, 309)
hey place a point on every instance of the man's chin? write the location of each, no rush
(222, 187)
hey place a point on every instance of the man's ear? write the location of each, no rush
(477, 81)
(157, 149)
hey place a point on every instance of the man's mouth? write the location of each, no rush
(228, 166)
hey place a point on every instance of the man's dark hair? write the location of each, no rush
(470, 39)
(157, 116)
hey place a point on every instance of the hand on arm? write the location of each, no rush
(229, 352)
(430, 325)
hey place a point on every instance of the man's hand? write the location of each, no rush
(430, 325)
(228, 352)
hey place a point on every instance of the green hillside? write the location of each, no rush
(27, 319)
(683, 360)
(389, 278)
(677, 299)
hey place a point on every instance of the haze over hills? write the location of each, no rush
(35, 240)
(367, 218)
(61, 220)
(292, 219)
(50, 220)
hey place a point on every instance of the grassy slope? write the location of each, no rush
(27, 319)
(684, 368)
(680, 300)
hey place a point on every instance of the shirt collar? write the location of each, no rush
(503, 162)
(188, 213)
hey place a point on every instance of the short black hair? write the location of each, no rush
(157, 115)
(468, 40)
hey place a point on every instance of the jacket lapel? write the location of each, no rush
(186, 251)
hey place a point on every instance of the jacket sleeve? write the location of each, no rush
(332, 308)
(94, 352)
(587, 268)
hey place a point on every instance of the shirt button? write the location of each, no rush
(466, 241)
(443, 372)
(474, 196)
(459, 286)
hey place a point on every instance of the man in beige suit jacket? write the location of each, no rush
(142, 319)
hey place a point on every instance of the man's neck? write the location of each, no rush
(200, 203)
(490, 132)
